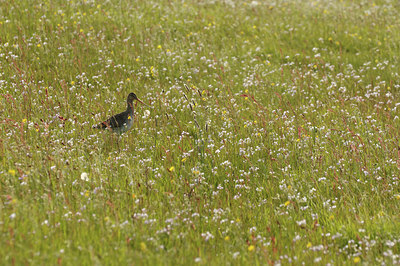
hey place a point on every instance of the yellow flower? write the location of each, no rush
(129, 117)
(171, 169)
(159, 46)
(137, 59)
(184, 159)
(72, 82)
(87, 193)
(11, 172)
(24, 120)
(227, 238)
(251, 248)
(356, 259)
(128, 79)
(81, 30)
(38, 45)
(309, 245)
(133, 195)
(287, 203)
(143, 246)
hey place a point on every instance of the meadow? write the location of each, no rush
(282, 148)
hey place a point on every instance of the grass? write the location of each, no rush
(284, 147)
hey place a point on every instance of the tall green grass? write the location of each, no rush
(283, 147)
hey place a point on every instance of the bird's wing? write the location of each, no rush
(115, 121)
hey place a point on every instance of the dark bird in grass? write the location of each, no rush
(121, 122)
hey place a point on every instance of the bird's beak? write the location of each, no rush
(141, 102)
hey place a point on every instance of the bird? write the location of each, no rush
(121, 122)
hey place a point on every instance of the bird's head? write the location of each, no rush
(132, 97)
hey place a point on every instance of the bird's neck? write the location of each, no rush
(130, 107)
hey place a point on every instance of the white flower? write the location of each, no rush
(85, 177)
(146, 114)
(301, 223)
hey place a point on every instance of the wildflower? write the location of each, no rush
(251, 248)
(287, 203)
(227, 238)
(137, 59)
(152, 71)
(159, 46)
(38, 45)
(301, 223)
(146, 114)
(72, 82)
(11, 172)
(356, 259)
(133, 195)
(171, 169)
(85, 177)
(309, 245)
(24, 120)
(184, 159)
(143, 246)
